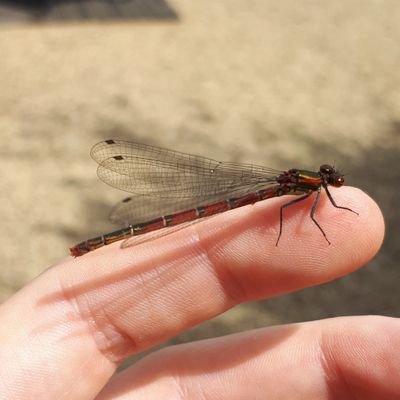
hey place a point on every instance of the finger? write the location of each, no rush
(91, 312)
(342, 358)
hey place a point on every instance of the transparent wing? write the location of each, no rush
(153, 171)
(159, 233)
(137, 208)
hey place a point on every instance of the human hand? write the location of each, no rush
(64, 334)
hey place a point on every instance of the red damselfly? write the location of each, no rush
(172, 188)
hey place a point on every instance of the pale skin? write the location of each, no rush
(64, 334)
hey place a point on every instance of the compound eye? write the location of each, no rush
(326, 169)
(339, 181)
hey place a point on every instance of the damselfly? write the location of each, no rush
(172, 188)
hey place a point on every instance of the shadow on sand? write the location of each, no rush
(70, 10)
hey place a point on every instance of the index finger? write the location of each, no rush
(91, 312)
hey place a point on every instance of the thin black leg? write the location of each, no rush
(312, 214)
(334, 203)
(287, 205)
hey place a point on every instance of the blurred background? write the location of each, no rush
(283, 84)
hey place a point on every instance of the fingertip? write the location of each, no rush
(303, 257)
(361, 235)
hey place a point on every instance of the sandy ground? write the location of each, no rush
(278, 83)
